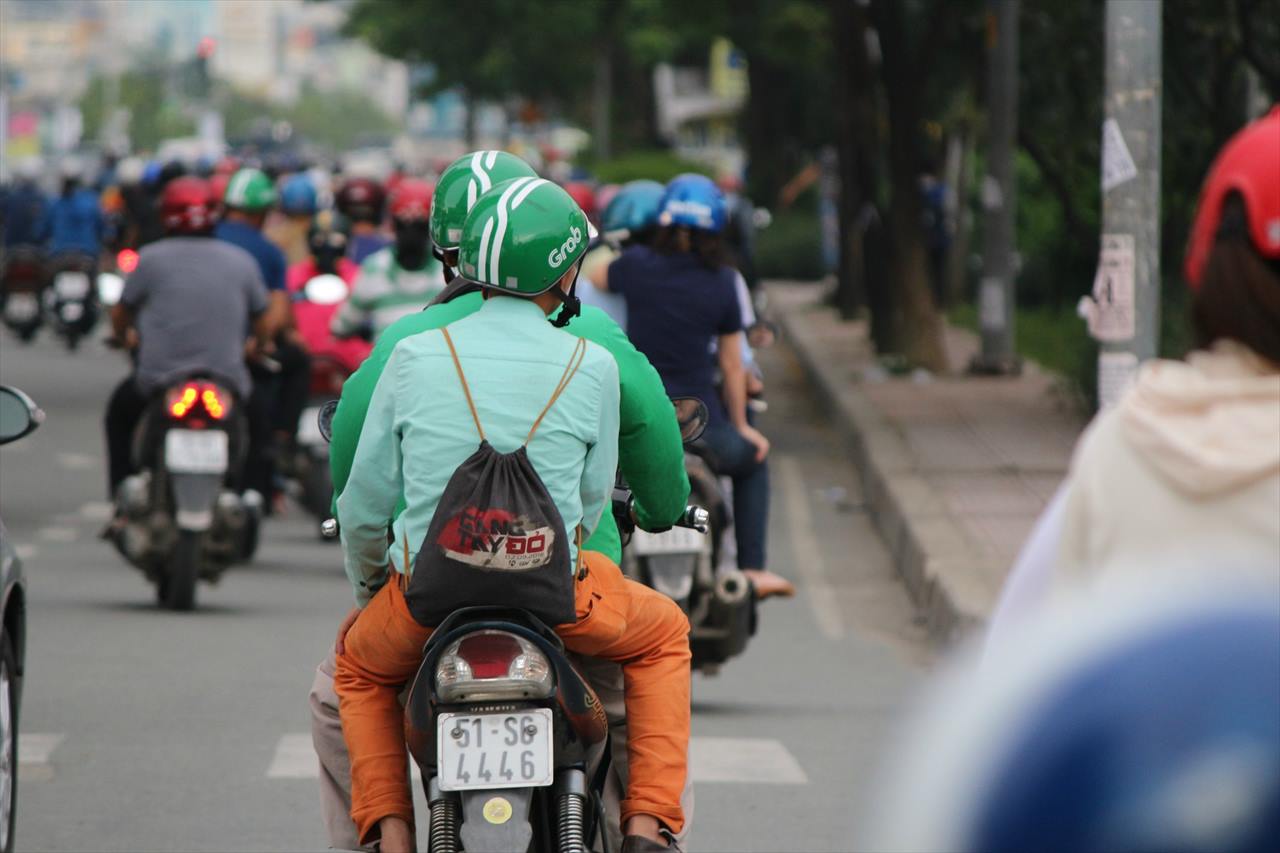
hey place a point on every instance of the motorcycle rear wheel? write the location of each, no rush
(177, 589)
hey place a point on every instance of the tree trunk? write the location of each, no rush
(916, 325)
(957, 268)
(765, 124)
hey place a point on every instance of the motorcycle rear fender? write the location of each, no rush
(478, 832)
(194, 496)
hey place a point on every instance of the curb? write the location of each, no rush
(930, 552)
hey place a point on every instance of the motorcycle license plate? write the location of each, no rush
(677, 540)
(510, 750)
(21, 307)
(309, 427)
(195, 451)
(71, 285)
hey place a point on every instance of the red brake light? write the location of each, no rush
(182, 401)
(127, 261)
(489, 654)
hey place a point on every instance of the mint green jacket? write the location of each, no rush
(650, 453)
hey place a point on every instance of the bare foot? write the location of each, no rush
(767, 584)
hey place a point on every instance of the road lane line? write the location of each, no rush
(804, 547)
(76, 461)
(57, 533)
(35, 754)
(756, 761)
(25, 552)
(96, 511)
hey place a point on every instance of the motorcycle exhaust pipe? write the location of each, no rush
(732, 588)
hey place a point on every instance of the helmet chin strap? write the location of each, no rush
(570, 305)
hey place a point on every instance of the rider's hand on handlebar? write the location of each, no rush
(340, 646)
(756, 438)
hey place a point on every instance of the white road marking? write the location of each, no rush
(757, 761)
(25, 552)
(76, 461)
(34, 754)
(804, 545)
(96, 511)
(57, 533)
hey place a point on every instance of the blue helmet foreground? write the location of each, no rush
(634, 208)
(693, 201)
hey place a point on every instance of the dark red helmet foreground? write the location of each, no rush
(186, 206)
(1249, 164)
(411, 199)
(361, 200)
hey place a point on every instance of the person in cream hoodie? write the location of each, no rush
(1183, 473)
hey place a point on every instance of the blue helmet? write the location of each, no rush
(298, 195)
(693, 201)
(634, 208)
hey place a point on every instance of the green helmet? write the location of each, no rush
(466, 179)
(249, 189)
(522, 236)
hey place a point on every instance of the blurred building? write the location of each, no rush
(698, 107)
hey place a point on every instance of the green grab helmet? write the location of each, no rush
(522, 236)
(249, 189)
(462, 183)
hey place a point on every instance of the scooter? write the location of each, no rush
(184, 521)
(22, 283)
(688, 563)
(70, 299)
(332, 361)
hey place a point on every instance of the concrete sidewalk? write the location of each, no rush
(955, 469)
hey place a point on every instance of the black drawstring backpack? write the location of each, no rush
(497, 538)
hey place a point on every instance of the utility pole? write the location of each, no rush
(1125, 312)
(996, 297)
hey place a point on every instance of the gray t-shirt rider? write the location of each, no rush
(194, 299)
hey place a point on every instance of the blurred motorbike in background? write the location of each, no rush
(70, 300)
(22, 284)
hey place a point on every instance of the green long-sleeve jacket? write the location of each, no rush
(650, 452)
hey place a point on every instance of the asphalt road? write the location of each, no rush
(148, 730)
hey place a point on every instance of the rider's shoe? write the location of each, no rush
(768, 585)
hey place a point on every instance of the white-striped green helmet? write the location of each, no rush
(464, 181)
(522, 236)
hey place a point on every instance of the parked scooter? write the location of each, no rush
(22, 283)
(70, 299)
(183, 517)
(687, 563)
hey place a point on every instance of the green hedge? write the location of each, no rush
(653, 164)
(791, 247)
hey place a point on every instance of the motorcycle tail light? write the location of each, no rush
(126, 261)
(491, 665)
(181, 401)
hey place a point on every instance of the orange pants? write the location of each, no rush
(617, 619)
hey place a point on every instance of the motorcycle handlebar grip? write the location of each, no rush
(329, 528)
(695, 517)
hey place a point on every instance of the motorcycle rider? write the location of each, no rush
(400, 279)
(299, 202)
(630, 218)
(327, 253)
(681, 297)
(491, 373)
(281, 395)
(74, 222)
(23, 211)
(362, 200)
(651, 455)
(189, 305)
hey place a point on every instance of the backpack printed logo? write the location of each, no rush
(557, 256)
(496, 539)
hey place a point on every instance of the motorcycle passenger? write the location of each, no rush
(484, 380)
(361, 200)
(188, 306)
(327, 248)
(299, 202)
(400, 279)
(74, 221)
(24, 208)
(631, 219)
(280, 394)
(681, 298)
(650, 452)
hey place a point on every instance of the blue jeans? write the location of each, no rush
(735, 457)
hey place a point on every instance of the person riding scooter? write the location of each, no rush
(400, 279)
(501, 390)
(651, 455)
(189, 305)
(362, 200)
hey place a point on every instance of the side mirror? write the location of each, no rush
(324, 419)
(110, 288)
(692, 415)
(19, 415)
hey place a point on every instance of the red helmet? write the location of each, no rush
(411, 199)
(218, 186)
(186, 206)
(226, 166)
(361, 200)
(1249, 164)
(583, 196)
